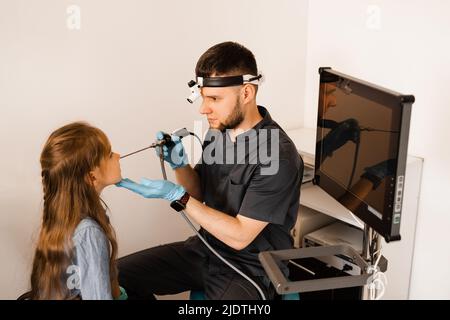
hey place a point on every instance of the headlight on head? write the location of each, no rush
(195, 91)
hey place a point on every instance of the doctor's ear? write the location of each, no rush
(248, 92)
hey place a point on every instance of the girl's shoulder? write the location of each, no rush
(87, 223)
(88, 227)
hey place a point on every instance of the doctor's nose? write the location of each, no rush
(204, 108)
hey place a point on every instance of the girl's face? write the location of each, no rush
(107, 173)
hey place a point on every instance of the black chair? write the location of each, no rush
(25, 296)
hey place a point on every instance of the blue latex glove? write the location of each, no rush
(379, 171)
(155, 189)
(175, 155)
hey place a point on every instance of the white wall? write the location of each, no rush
(407, 51)
(124, 71)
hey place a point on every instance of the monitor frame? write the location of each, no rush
(389, 225)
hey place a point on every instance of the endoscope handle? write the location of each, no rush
(167, 141)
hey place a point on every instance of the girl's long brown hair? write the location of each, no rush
(69, 155)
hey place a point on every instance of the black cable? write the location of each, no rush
(369, 129)
(372, 246)
(355, 159)
(198, 138)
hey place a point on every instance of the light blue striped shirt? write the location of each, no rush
(91, 262)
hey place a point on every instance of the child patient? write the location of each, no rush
(76, 251)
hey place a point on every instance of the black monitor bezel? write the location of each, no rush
(389, 225)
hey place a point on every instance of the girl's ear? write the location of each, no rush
(91, 178)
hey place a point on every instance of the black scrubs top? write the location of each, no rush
(240, 188)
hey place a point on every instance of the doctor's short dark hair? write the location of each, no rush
(226, 58)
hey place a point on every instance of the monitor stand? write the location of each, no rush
(371, 253)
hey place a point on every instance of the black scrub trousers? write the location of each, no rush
(233, 187)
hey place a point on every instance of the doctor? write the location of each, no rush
(244, 202)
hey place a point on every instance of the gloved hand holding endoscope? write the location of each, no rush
(379, 171)
(343, 132)
(154, 189)
(174, 154)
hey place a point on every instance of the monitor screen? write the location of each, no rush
(361, 148)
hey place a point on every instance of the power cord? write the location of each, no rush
(378, 280)
(377, 285)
